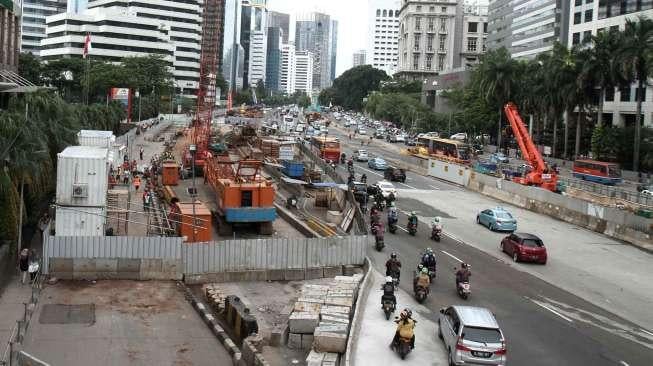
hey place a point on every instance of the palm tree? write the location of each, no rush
(601, 65)
(497, 72)
(635, 58)
(562, 85)
(584, 91)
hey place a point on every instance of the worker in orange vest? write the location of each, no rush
(137, 182)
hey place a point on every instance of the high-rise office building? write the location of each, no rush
(304, 76)
(33, 24)
(232, 52)
(253, 39)
(287, 74)
(76, 6)
(280, 20)
(273, 58)
(588, 18)
(383, 34)
(428, 31)
(122, 28)
(527, 27)
(313, 34)
(333, 48)
(10, 14)
(359, 58)
(474, 34)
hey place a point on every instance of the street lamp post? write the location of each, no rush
(193, 150)
(138, 95)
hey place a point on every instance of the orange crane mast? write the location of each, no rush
(541, 175)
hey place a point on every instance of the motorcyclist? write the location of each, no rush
(436, 223)
(377, 230)
(350, 179)
(350, 163)
(393, 266)
(389, 292)
(390, 199)
(343, 158)
(392, 214)
(374, 214)
(428, 260)
(405, 328)
(422, 279)
(363, 178)
(412, 219)
(463, 274)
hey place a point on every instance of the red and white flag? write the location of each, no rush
(87, 45)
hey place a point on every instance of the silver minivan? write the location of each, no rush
(472, 336)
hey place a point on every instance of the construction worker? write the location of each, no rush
(137, 182)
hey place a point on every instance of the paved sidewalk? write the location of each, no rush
(11, 308)
(371, 346)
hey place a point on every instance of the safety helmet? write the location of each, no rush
(429, 250)
(413, 213)
(388, 279)
(420, 266)
(393, 255)
(425, 270)
(436, 219)
(404, 314)
(409, 312)
(463, 264)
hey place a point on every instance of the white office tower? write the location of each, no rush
(359, 58)
(33, 22)
(304, 72)
(383, 34)
(254, 39)
(287, 75)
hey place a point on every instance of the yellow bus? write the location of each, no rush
(453, 150)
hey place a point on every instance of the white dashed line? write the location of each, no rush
(434, 187)
(402, 228)
(646, 331)
(452, 256)
(554, 311)
(623, 363)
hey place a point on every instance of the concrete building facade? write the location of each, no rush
(253, 39)
(333, 48)
(279, 20)
(590, 17)
(10, 15)
(273, 58)
(33, 22)
(383, 35)
(359, 58)
(527, 27)
(313, 34)
(287, 72)
(474, 34)
(304, 72)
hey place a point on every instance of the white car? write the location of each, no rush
(646, 192)
(386, 187)
(461, 136)
(362, 131)
(361, 155)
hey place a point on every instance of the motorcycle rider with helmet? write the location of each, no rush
(405, 328)
(428, 260)
(389, 292)
(422, 279)
(463, 274)
(393, 267)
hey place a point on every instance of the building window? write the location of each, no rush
(419, 8)
(472, 27)
(443, 25)
(588, 15)
(418, 38)
(416, 61)
(429, 61)
(625, 94)
(578, 2)
(440, 62)
(575, 38)
(642, 91)
(614, 28)
(471, 44)
(485, 27)
(444, 10)
(443, 40)
(577, 17)
(484, 42)
(432, 9)
(378, 12)
(429, 42)
(418, 23)
(390, 13)
(431, 24)
(609, 95)
(385, 13)
(587, 36)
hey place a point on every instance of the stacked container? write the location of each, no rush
(82, 179)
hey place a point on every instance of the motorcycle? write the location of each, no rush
(342, 159)
(388, 308)
(392, 225)
(412, 228)
(420, 293)
(436, 233)
(378, 242)
(464, 290)
(402, 347)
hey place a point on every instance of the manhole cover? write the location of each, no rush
(67, 314)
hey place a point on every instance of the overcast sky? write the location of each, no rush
(352, 23)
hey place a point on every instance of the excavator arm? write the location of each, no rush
(541, 175)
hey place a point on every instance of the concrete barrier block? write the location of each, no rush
(128, 275)
(306, 307)
(171, 266)
(331, 359)
(294, 275)
(85, 276)
(334, 309)
(307, 341)
(260, 361)
(257, 275)
(332, 271)
(315, 358)
(106, 265)
(279, 335)
(303, 322)
(61, 265)
(62, 275)
(129, 265)
(326, 341)
(276, 274)
(248, 352)
(313, 273)
(84, 265)
(294, 341)
(348, 270)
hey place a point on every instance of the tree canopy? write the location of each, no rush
(353, 85)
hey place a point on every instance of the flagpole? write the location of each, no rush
(87, 55)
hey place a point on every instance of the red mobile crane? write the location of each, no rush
(211, 45)
(541, 175)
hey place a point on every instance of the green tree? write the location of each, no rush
(603, 143)
(497, 80)
(635, 57)
(327, 96)
(355, 84)
(30, 67)
(601, 65)
(260, 90)
(401, 86)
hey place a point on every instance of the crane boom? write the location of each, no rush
(541, 175)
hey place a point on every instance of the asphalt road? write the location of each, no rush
(544, 325)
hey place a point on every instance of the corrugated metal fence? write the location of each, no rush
(215, 257)
(275, 253)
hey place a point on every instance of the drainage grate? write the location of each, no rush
(67, 314)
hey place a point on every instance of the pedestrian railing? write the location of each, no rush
(609, 191)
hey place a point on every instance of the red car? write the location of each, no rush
(524, 247)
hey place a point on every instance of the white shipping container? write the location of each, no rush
(96, 138)
(79, 221)
(286, 152)
(82, 175)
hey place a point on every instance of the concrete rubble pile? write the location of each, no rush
(215, 297)
(321, 318)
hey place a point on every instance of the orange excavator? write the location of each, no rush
(541, 175)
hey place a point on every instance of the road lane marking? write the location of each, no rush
(402, 228)
(434, 187)
(623, 363)
(367, 170)
(453, 256)
(554, 311)
(647, 332)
